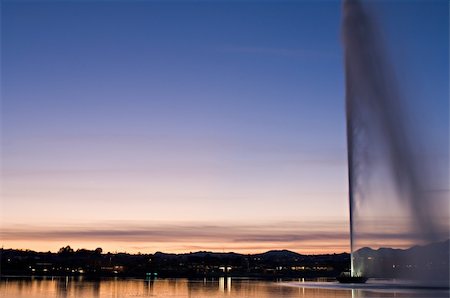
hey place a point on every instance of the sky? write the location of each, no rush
(176, 126)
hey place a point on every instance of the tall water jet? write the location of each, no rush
(393, 195)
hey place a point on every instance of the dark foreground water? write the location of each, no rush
(223, 287)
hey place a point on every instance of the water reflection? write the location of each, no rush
(225, 284)
(223, 287)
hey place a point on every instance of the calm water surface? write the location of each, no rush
(223, 287)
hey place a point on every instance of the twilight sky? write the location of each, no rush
(179, 125)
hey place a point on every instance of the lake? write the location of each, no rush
(177, 288)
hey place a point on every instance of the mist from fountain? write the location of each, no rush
(394, 200)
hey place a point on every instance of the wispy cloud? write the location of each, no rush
(296, 53)
(129, 232)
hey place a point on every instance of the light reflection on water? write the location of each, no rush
(177, 288)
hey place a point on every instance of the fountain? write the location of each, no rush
(392, 194)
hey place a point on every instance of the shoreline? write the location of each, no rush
(378, 285)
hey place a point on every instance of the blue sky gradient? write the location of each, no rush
(202, 111)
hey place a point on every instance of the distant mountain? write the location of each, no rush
(429, 261)
(269, 255)
(437, 249)
(282, 254)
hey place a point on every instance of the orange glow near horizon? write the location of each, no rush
(313, 237)
(305, 237)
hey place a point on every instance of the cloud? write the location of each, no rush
(282, 232)
(295, 53)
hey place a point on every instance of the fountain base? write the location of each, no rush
(347, 278)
